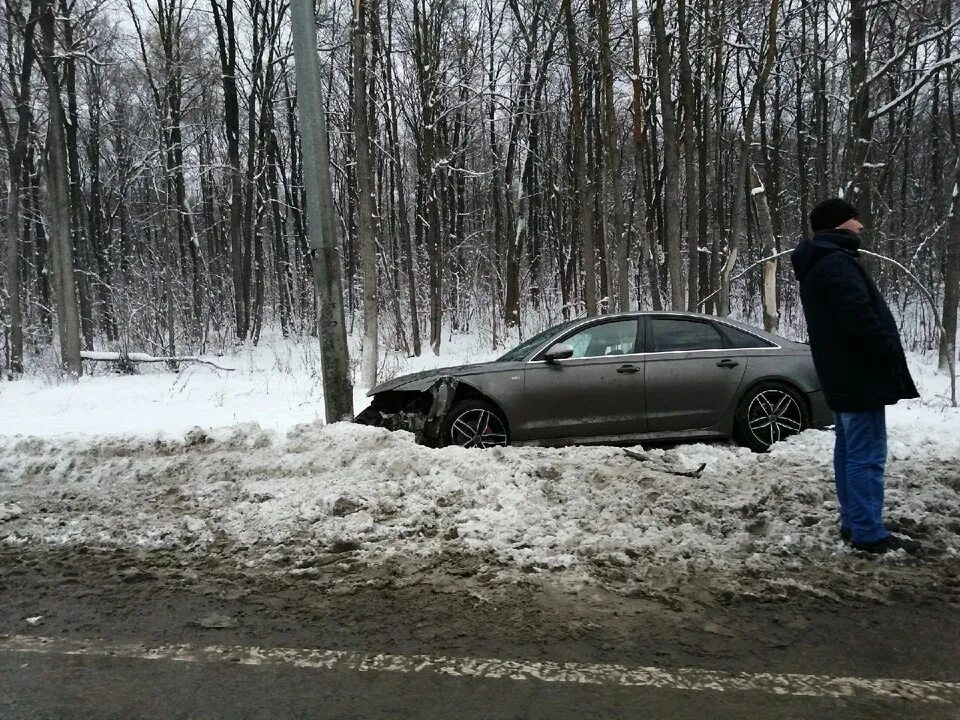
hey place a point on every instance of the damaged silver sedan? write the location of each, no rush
(615, 379)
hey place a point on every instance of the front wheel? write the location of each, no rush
(474, 423)
(769, 413)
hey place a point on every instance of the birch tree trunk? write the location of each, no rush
(366, 226)
(771, 313)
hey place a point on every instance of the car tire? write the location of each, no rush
(474, 423)
(768, 413)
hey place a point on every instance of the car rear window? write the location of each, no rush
(741, 339)
(676, 335)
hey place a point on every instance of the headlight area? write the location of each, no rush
(419, 412)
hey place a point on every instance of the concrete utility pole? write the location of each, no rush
(321, 223)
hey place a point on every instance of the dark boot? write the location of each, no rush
(846, 534)
(890, 543)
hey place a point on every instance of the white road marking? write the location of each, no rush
(491, 668)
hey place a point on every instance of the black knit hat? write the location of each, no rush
(831, 213)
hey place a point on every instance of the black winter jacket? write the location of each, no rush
(853, 336)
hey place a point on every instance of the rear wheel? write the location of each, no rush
(769, 413)
(474, 423)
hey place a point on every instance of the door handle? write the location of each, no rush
(727, 363)
(628, 369)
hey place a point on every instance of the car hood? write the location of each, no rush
(423, 380)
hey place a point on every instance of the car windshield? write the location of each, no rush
(524, 348)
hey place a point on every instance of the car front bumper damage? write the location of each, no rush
(420, 413)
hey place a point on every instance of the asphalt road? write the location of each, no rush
(53, 686)
(127, 638)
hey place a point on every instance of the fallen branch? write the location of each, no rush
(144, 358)
(684, 473)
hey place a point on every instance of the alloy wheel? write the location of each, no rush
(774, 415)
(478, 428)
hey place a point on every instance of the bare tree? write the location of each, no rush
(400, 188)
(484, 175)
(611, 162)
(646, 255)
(767, 56)
(366, 222)
(227, 50)
(58, 194)
(671, 159)
(20, 82)
(585, 199)
(688, 98)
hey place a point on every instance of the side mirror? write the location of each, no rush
(560, 351)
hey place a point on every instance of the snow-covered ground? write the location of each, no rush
(276, 385)
(263, 480)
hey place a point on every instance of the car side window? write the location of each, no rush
(618, 337)
(676, 335)
(740, 339)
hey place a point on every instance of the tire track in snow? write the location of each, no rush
(691, 679)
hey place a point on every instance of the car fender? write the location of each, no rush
(503, 389)
(796, 370)
(770, 370)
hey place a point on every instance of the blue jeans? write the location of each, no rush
(859, 458)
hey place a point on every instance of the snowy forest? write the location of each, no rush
(497, 165)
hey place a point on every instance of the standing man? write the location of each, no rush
(858, 355)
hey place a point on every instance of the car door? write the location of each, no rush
(691, 379)
(598, 392)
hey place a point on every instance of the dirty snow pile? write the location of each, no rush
(253, 495)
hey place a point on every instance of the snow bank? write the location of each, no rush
(258, 498)
(237, 465)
